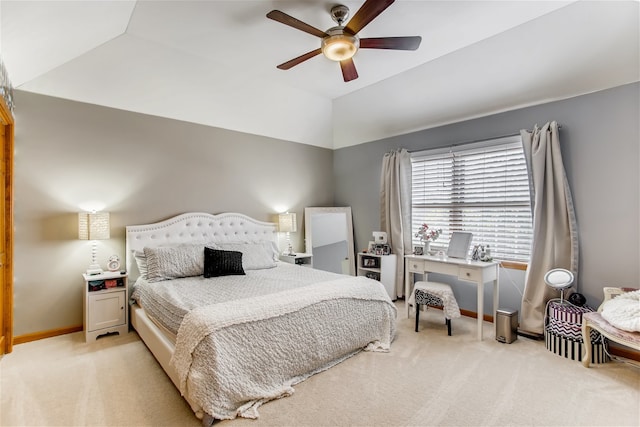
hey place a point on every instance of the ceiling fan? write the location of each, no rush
(340, 43)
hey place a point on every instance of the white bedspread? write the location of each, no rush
(170, 300)
(233, 357)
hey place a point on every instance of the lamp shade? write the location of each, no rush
(287, 222)
(93, 226)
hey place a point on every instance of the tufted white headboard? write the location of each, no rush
(196, 227)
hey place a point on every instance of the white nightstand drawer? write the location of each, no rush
(106, 310)
(470, 274)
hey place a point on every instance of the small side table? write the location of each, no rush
(305, 260)
(105, 304)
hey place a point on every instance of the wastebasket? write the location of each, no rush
(506, 325)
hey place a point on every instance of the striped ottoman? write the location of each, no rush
(563, 332)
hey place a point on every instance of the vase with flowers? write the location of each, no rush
(426, 235)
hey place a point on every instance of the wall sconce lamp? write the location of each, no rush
(93, 226)
(287, 224)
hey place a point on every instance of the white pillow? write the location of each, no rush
(255, 256)
(173, 262)
(141, 262)
(273, 249)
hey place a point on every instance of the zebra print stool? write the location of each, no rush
(436, 295)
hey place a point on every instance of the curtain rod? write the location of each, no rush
(478, 140)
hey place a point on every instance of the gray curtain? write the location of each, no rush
(395, 208)
(555, 234)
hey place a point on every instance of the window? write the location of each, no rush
(482, 188)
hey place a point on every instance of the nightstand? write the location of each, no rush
(305, 260)
(381, 268)
(105, 304)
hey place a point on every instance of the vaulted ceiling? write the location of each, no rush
(214, 62)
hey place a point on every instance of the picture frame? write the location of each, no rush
(381, 249)
(369, 262)
(372, 247)
(418, 250)
(373, 275)
(380, 237)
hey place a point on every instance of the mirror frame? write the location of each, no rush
(308, 233)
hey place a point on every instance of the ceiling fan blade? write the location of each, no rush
(285, 19)
(299, 59)
(348, 70)
(396, 43)
(367, 13)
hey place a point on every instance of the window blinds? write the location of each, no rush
(482, 188)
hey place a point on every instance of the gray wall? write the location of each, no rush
(599, 138)
(71, 156)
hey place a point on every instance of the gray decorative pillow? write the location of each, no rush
(222, 263)
(255, 256)
(173, 262)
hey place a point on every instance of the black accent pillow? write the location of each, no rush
(222, 263)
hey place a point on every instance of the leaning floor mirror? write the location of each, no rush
(329, 238)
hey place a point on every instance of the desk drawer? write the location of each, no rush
(416, 265)
(441, 267)
(470, 274)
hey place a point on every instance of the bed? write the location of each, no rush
(231, 325)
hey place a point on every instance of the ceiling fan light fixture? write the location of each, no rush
(340, 46)
(341, 43)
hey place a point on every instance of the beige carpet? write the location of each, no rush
(427, 379)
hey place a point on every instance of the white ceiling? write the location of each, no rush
(214, 62)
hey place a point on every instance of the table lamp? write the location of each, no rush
(93, 226)
(287, 224)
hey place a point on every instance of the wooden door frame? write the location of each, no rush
(7, 120)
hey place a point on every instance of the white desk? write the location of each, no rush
(470, 271)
